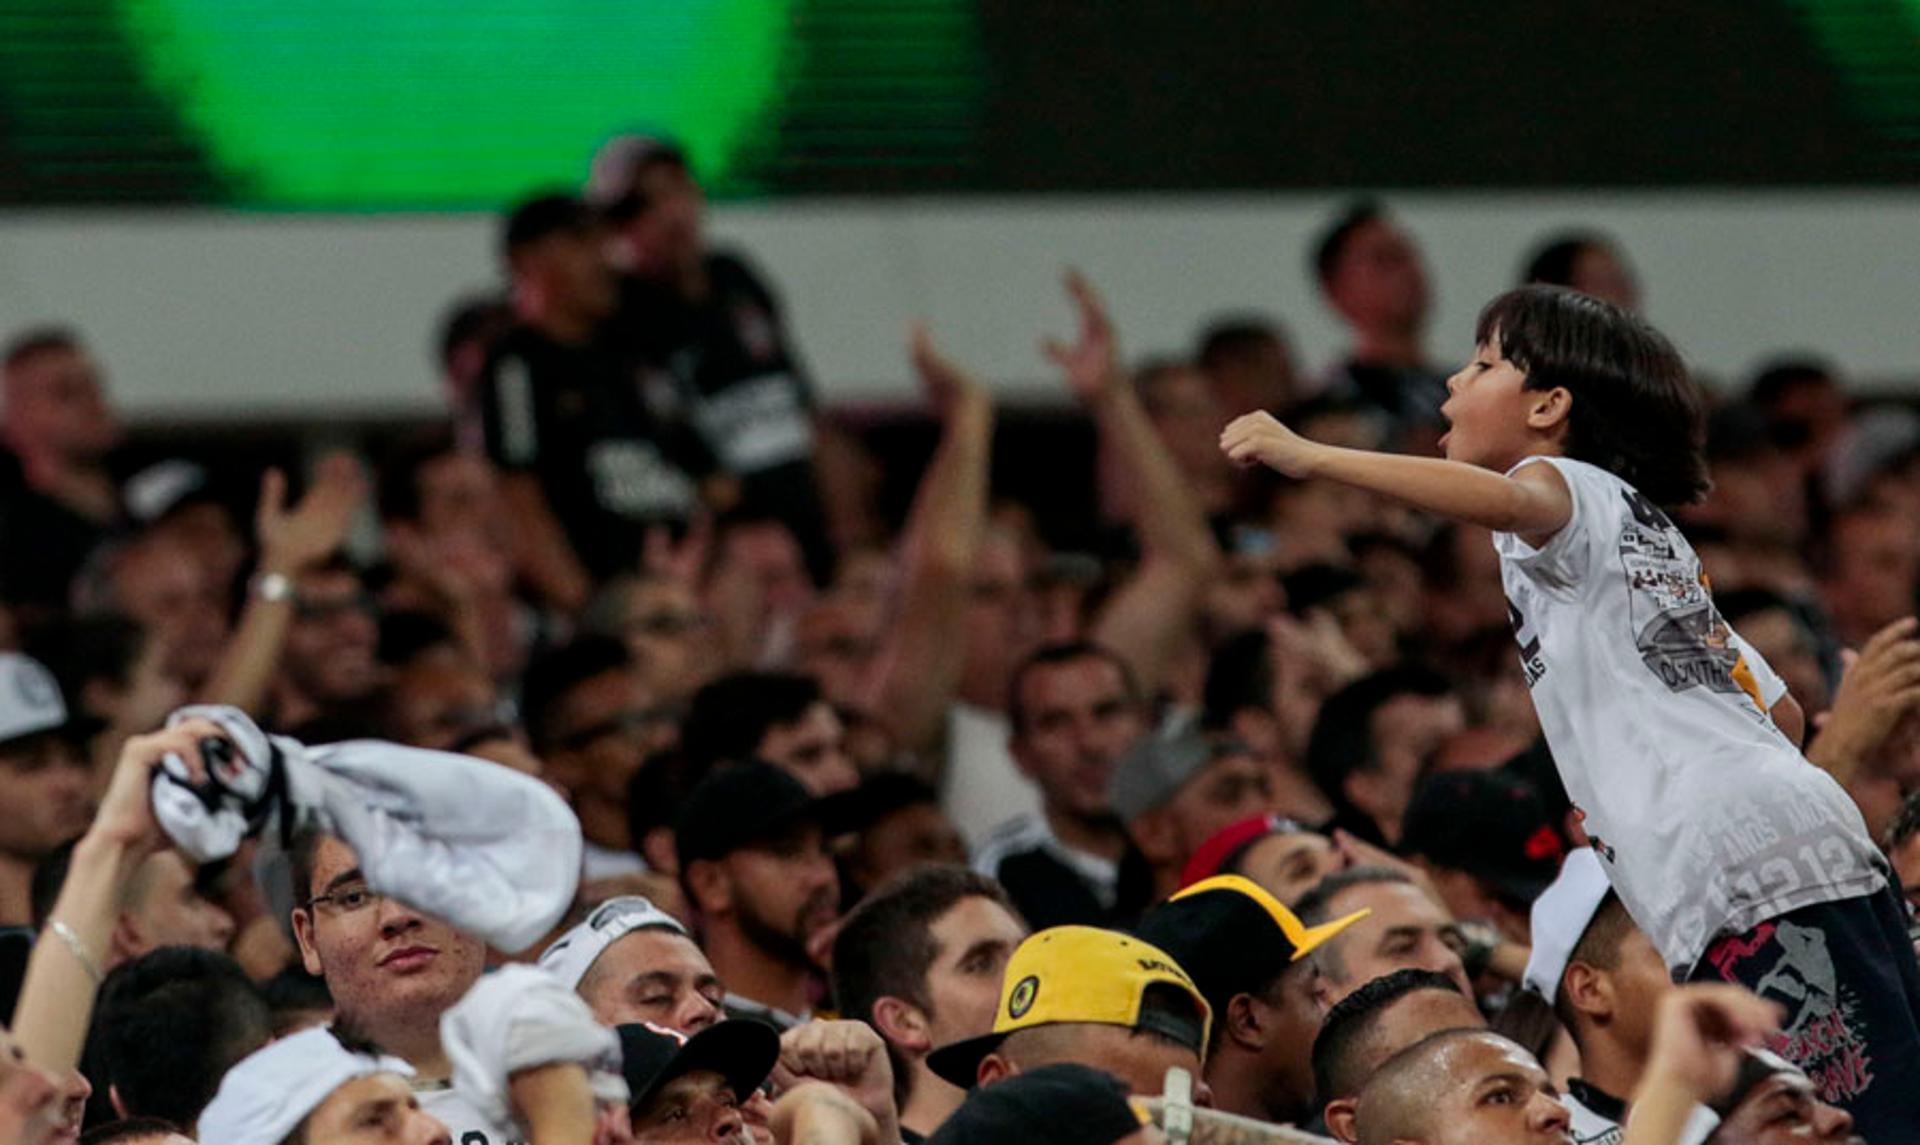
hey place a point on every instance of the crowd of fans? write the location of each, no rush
(1240, 826)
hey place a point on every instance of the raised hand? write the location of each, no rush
(1700, 1031)
(847, 1055)
(1091, 364)
(1881, 684)
(1259, 439)
(948, 385)
(295, 539)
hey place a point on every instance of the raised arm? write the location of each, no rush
(64, 971)
(291, 542)
(1534, 502)
(918, 668)
(1149, 614)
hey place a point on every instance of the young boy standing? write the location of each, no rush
(1574, 423)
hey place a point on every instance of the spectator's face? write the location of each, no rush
(1486, 409)
(1599, 272)
(573, 270)
(438, 699)
(667, 631)
(375, 1110)
(456, 493)
(689, 1110)
(1231, 788)
(665, 239)
(333, 638)
(973, 941)
(911, 837)
(44, 787)
(1288, 865)
(783, 892)
(1496, 1095)
(169, 910)
(385, 963)
(167, 590)
(33, 1102)
(766, 555)
(209, 536)
(1293, 1017)
(1906, 867)
(1875, 566)
(1379, 281)
(1405, 930)
(1245, 595)
(1260, 377)
(603, 731)
(1639, 982)
(1188, 418)
(654, 976)
(1002, 621)
(55, 401)
(1786, 1110)
(812, 749)
(1078, 722)
(1406, 731)
(835, 646)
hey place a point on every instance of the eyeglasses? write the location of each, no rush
(349, 899)
(638, 722)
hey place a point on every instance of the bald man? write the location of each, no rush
(1462, 1087)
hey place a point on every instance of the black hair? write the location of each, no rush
(537, 217)
(556, 673)
(1052, 656)
(170, 1024)
(1350, 1024)
(1636, 412)
(35, 341)
(729, 717)
(474, 318)
(292, 992)
(1777, 378)
(1906, 823)
(1231, 338)
(1341, 742)
(407, 635)
(302, 850)
(132, 1129)
(1332, 243)
(1552, 262)
(1599, 947)
(655, 792)
(1239, 676)
(400, 466)
(886, 946)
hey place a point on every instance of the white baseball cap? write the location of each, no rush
(30, 700)
(575, 952)
(264, 1099)
(1561, 916)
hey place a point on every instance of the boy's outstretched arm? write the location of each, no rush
(1534, 502)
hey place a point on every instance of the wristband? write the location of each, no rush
(272, 587)
(78, 948)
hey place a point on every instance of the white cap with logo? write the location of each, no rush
(1561, 916)
(574, 953)
(30, 700)
(264, 1098)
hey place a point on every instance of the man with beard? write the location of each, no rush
(754, 865)
(329, 662)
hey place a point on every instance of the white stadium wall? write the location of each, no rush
(221, 316)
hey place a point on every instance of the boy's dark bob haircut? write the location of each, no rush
(1636, 412)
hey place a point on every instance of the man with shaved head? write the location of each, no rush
(1462, 1087)
(1370, 1026)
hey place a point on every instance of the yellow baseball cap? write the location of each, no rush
(1079, 974)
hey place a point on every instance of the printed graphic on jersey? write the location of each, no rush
(1823, 1034)
(1680, 634)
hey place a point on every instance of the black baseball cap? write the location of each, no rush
(1492, 825)
(536, 218)
(741, 804)
(743, 1052)
(1063, 1104)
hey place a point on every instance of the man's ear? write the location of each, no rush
(126, 942)
(657, 847)
(1589, 991)
(119, 1105)
(994, 1068)
(708, 885)
(1549, 408)
(303, 934)
(1246, 1021)
(903, 1024)
(1339, 1116)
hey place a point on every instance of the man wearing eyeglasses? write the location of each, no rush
(593, 722)
(330, 659)
(392, 970)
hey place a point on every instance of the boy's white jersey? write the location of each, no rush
(1707, 819)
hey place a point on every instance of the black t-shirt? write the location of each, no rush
(610, 456)
(741, 384)
(43, 545)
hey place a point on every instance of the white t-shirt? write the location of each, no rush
(466, 1125)
(983, 788)
(1707, 819)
